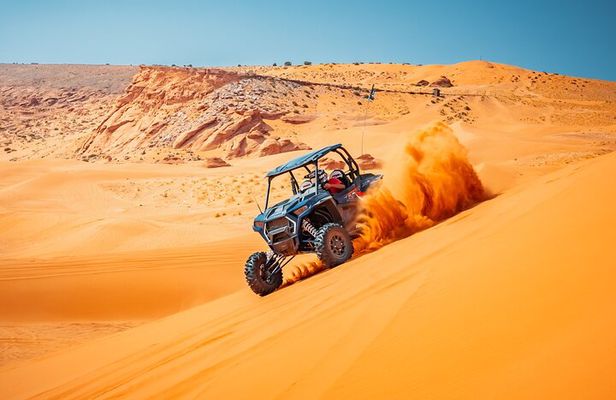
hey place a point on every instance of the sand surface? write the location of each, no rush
(123, 277)
(459, 310)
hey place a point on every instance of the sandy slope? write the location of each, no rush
(511, 299)
(508, 299)
(88, 246)
(69, 208)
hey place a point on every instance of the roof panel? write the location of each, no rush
(303, 160)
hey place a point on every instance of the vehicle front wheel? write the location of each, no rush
(259, 276)
(333, 244)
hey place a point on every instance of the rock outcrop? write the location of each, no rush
(443, 81)
(298, 119)
(196, 110)
(329, 163)
(215, 162)
(367, 161)
(58, 103)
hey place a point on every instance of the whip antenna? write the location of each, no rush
(257, 203)
(370, 98)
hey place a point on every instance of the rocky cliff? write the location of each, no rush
(194, 110)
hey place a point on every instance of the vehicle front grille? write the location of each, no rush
(277, 223)
(280, 237)
(279, 229)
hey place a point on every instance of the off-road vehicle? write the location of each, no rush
(312, 220)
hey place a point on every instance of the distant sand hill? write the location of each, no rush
(173, 114)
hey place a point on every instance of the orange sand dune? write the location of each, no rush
(121, 286)
(511, 299)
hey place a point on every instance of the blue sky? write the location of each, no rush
(569, 37)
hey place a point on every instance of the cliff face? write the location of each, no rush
(194, 110)
(44, 108)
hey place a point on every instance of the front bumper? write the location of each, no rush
(281, 235)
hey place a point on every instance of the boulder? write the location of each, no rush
(298, 119)
(329, 163)
(443, 81)
(34, 101)
(422, 82)
(215, 162)
(367, 161)
(172, 159)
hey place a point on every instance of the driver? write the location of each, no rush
(333, 184)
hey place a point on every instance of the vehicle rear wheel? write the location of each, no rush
(333, 245)
(259, 276)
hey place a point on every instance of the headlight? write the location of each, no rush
(300, 210)
(259, 224)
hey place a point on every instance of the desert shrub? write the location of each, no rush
(287, 63)
(307, 62)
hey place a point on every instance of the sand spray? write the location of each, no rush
(427, 180)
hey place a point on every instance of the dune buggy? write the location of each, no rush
(312, 220)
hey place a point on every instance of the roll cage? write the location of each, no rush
(312, 159)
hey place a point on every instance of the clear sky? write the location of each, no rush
(569, 37)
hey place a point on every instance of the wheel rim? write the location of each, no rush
(265, 273)
(337, 245)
